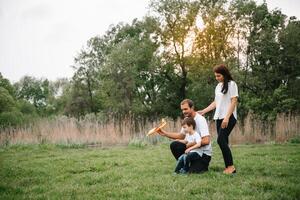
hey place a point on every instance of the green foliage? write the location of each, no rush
(26, 100)
(7, 103)
(138, 143)
(282, 101)
(4, 83)
(269, 76)
(146, 68)
(295, 140)
(26, 108)
(34, 91)
(12, 118)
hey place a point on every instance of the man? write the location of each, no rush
(178, 148)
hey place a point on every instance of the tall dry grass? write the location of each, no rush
(92, 131)
(253, 130)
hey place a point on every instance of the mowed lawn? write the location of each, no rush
(60, 172)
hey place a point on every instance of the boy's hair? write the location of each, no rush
(189, 121)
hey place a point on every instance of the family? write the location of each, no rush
(192, 145)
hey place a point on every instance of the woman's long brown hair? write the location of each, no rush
(222, 69)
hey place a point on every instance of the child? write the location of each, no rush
(193, 142)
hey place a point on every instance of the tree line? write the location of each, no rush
(145, 68)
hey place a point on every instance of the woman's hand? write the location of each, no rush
(225, 123)
(207, 109)
(201, 112)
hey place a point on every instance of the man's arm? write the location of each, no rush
(182, 141)
(171, 135)
(194, 146)
(205, 140)
(190, 144)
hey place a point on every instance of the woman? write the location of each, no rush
(226, 94)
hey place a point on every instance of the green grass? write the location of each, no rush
(145, 172)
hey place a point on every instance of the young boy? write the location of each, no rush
(193, 142)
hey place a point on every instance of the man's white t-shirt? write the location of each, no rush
(223, 101)
(202, 130)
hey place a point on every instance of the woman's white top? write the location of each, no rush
(223, 101)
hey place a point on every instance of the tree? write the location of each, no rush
(35, 91)
(266, 74)
(129, 77)
(9, 113)
(177, 18)
(4, 83)
(290, 60)
(213, 44)
(7, 103)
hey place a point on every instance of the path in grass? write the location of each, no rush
(57, 172)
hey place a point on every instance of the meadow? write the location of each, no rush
(141, 171)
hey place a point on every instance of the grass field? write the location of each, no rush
(145, 172)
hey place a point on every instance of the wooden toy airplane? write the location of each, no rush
(154, 130)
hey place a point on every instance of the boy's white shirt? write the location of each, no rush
(202, 130)
(195, 137)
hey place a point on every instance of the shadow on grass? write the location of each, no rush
(216, 169)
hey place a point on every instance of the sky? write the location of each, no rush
(40, 38)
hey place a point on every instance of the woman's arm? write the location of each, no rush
(209, 108)
(229, 112)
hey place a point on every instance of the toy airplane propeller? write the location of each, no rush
(154, 130)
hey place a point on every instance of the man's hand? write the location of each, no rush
(187, 150)
(182, 141)
(225, 123)
(161, 132)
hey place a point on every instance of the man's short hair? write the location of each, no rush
(189, 121)
(189, 102)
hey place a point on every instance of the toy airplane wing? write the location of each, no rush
(154, 130)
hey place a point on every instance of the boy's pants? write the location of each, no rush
(197, 166)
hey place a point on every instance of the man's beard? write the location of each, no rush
(187, 114)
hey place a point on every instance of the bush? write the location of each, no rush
(13, 118)
(295, 140)
(139, 143)
(7, 102)
(26, 108)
